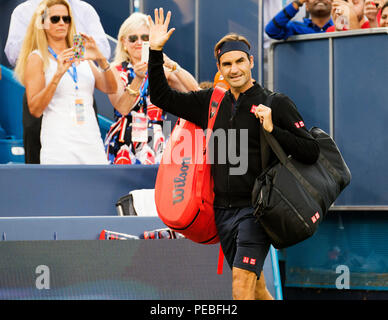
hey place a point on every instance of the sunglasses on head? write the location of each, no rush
(135, 37)
(65, 19)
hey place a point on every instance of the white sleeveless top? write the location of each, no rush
(64, 141)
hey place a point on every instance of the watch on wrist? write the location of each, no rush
(106, 69)
(131, 91)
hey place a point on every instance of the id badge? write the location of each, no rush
(79, 111)
(139, 127)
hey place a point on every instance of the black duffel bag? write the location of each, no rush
(291, 198)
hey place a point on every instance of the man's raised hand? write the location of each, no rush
(158, 29)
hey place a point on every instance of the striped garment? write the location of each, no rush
(118, 141)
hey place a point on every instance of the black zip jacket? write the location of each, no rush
(289, 129)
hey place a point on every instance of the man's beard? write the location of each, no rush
(321, 13)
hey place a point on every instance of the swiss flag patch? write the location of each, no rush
(249, 260)
(315, 217)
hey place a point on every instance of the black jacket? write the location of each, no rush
(235, 190)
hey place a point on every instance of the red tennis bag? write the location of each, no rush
(184, 185)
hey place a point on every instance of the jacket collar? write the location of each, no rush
(254, 90)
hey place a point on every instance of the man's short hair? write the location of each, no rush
(385, 5)
(228, 38)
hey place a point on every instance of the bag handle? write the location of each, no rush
(267, 139)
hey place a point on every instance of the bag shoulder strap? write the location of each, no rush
(268, 142)
(214, 105)
(267, 139)
(215, 101)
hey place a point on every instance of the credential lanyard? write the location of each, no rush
(73, 74)
(143, 88)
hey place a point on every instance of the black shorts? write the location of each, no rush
(243, 240)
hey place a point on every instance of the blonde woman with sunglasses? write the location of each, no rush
(132, 98)
(60, 86)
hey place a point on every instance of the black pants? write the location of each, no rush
(31, 133)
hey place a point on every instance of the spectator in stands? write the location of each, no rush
(348, 15)
(384, 15)
(86, 20)
(60, 86)
(356, 14)
(281, 26)
(132, 102)
(372, 10)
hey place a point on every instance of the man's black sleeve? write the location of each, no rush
(291, 132)
(191, 106)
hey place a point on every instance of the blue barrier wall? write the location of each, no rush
(334, 88)
(119, 270)
(77, 203)
(73, 227)
(304, 77)
(361, 114)
(40, 190)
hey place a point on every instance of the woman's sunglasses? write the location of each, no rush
(133, 38)
(55, 19)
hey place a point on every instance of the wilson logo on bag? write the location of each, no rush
(184, 185)
(180, 182)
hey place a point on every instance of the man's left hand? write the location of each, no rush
(264, 114)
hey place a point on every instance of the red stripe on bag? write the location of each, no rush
(220, 261)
